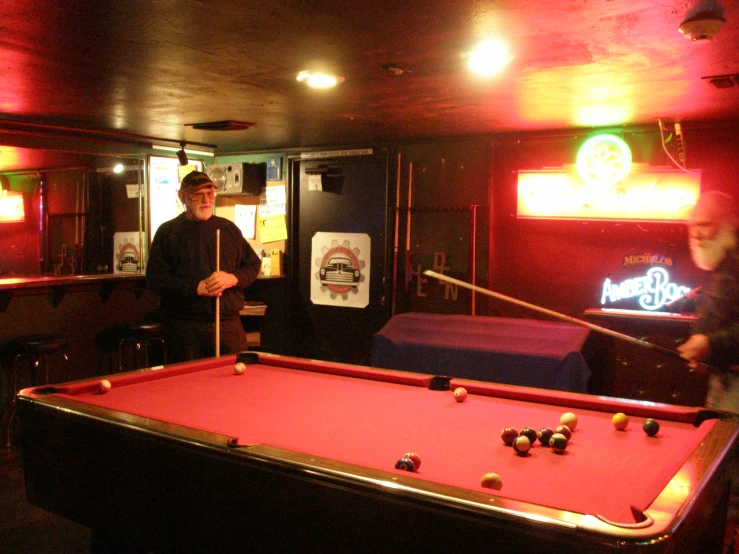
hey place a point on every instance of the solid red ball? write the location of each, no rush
(415, 458)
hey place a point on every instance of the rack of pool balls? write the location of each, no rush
(556, 439)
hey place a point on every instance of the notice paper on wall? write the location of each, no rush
(273, 201)
(272, 229)
(245, 217)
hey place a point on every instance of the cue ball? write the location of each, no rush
(651, 427)
(239, 368)
(415, 458)
(521, 445)
(620, 421)
(569, 419)
(104, 386)
(508, 434)
(460, 394)
(492, 481)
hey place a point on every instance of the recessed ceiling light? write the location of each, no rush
(319, 79)
(489, 57)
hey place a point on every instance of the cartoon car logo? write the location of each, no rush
(129, 263)
(339, 270)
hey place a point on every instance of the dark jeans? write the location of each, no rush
(192, 340)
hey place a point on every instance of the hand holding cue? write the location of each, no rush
(218, 298)
(603, 330)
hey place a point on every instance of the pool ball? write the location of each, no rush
(508, 434)
(521, 444)
(529, 433)
(415, 458)
(569, 419)
(563, 430)
(492, 481)
(558, 443)
(544, 434)
(651, 427)
(239, 368)
(103, 386)
(460, 394)
(406, 464)
(620, 421)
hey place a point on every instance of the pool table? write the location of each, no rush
(513, 351)
(299, 455)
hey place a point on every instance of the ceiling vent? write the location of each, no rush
(226, 125)
(723, 81)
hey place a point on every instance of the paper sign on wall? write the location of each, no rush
(340, 272)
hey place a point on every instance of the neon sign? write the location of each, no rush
(653, 289)
(604, 160)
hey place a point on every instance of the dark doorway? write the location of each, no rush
(343, 195)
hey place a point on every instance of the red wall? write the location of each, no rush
(561, 265)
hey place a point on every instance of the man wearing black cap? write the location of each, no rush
(182, 271)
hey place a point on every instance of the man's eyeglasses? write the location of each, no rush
(200, 196)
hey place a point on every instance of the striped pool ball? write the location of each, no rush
(544, 434)
(563, 430)
(406, 464)
(558, 443)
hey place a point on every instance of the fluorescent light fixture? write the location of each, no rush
(187, 150)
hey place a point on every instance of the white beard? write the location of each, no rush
(709, 253)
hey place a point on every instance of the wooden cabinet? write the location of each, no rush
(271, 320)
(626, 370)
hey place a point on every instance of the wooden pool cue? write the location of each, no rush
(408, 231)
(395, 247)
(592, 327)
(218, 298)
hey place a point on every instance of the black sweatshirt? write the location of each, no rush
(183, 253)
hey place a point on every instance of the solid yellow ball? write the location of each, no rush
(492, 481)
(620, 421)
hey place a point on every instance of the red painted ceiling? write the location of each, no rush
(151, 67)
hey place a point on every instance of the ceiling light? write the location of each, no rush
(187, 150)
(702, 26)
(319, 80)
(182, 155)
(489, 57)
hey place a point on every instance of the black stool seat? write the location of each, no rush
(139, 335)
(35, 349)
(38, 345)
(142, 331)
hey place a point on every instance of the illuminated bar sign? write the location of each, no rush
(653, 289)
(11, 207)
(645, 194)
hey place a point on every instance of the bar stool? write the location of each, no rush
(117, 338)
(36, 350)
(141, 335)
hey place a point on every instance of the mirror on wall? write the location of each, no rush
(74, 208)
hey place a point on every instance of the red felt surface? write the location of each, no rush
(372, 423)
